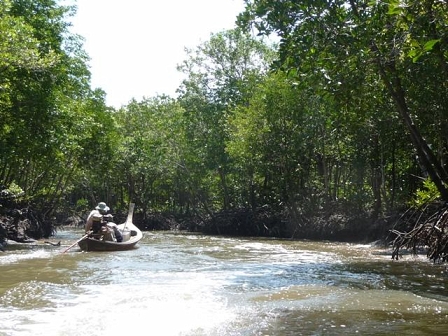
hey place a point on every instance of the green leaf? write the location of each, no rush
(394, 8)
(430, 44)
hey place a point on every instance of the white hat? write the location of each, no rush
(102, 206)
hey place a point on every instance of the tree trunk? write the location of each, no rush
(425, 154)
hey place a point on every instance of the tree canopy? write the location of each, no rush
(346, 114)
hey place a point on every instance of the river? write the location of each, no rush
(187, 284)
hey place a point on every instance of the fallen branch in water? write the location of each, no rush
(53, 244)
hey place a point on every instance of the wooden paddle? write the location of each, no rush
(83, 237)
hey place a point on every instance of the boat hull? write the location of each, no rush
(93, 244)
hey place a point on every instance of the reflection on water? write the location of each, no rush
(183, 284)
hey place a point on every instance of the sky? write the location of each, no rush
(135, 45)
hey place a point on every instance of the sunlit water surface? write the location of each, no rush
(185, 284)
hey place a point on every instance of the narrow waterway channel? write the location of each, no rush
(185, 284)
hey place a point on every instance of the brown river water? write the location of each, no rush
(186, 284)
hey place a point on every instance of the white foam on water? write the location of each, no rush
(14, 257)
(162, 306)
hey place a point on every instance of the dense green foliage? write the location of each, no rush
(383, 65)
(348, 113)
(44, 89)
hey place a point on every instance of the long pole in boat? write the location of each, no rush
(76, 242)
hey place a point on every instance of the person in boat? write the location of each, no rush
(100, 222)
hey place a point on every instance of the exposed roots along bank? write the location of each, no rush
(24, 224)
(425, 228)
(266, 222)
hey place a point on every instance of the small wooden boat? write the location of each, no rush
(131, 236)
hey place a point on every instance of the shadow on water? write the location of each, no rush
(413, 275)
